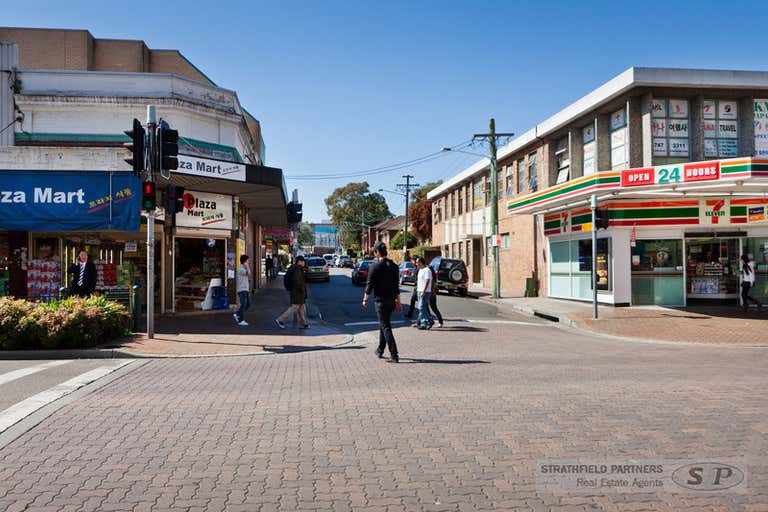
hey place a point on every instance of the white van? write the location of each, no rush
(329, 258)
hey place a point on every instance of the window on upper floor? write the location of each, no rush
(469, 196)
(500, 184)
(453, 204)
(505, 241)
(510, 180)
(670, 130)
(437, 212)
(521, 176)
(533, 175)
(563, 157)
(460, 193)
(721, 128)
(487, 190)
(588, 150)
(619, 148)
(477, 193)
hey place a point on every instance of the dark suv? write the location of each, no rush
(451, 275)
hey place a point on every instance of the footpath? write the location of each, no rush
(700, 324)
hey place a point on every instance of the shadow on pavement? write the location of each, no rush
(461, 328)
(293, 349)
(413, 360)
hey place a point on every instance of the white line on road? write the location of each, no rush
(512, 322)
(355, 324)
(21, 410)
(5, 378)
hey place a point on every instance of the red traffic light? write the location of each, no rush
(148, 197)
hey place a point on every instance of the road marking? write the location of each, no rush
(5, 378)
(21, 410)
(511, 322)
(355, 324)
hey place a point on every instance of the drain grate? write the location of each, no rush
(546, 316)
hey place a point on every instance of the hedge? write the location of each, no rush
(73, 322)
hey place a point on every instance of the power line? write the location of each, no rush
(376, 170)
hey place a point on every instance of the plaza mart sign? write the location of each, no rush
(211, 168)
(205, 210)
(671, 174)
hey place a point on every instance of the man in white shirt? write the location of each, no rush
(424, 289)
(243, 283)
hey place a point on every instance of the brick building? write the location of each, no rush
(677, 158)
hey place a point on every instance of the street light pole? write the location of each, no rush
(151, 163)
(405, 227)
(593, 207)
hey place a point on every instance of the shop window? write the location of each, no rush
(562, 155)
(521, 176)
(670, 130)
(657, 272)
(756, 250)
(477, 200)
(588, 150)
(200, 264)
(505, 241)
(532, 173)
(603, 273)
(619, 140)
(721, 128)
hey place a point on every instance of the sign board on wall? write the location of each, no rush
(211, 168)
(714, 212)
(761, 128)
(205, 210)
(69, 201)
(667, 174)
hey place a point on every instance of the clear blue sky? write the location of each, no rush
(348, 86)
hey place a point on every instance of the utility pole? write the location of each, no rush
(492, 136)
(407, 186)
(593, 207)
(151, 164)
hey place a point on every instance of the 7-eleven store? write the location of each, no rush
(675, 234)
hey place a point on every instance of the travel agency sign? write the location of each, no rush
(205, 210)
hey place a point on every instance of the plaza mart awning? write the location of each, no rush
(263, 192)
(737, 177)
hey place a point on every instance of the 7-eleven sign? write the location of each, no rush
(714, 212)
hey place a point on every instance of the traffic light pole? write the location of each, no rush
(150, 175)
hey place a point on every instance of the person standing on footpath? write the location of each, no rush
(83, 276)
(268, 266)
(384, 284)
(243, 286)
(296, 284)
(433, 298)
(747, 282)
(424, 287)
(415, 294)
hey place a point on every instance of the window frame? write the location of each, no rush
(533, 172)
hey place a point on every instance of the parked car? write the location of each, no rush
(452, 275)
(360, 272)
(346, 262)
(317, 270)
(408, 273)
(329, 259)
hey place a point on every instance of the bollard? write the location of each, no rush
(136, 308)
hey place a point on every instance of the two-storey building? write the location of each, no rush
(678, 158)
(69, 97)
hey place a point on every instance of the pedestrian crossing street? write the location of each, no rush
(28, 386)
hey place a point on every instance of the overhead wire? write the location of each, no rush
(377, 170)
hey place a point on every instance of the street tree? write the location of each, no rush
(306, 235)
(420, 211)
(351, 206)
(397, 241)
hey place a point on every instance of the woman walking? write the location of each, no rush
(747, 282)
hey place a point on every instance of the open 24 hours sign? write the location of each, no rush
(671, 174)
(205, 210)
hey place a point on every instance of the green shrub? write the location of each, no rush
(69, 323)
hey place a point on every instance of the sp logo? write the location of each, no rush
(708, 476)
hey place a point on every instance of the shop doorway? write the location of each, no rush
(199, 264)
(712, 270)
(477, 260)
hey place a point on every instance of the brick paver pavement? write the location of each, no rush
(457, 426)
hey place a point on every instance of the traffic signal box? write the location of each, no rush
(148, 196)
(602, 218)
(136, 147)
(168, 140)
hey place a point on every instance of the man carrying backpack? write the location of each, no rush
(296, 284)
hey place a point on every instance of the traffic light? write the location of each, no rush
(174, 199)
(602, 218)
(148, 198)
(168, 140)
(136, 146)
(294, 212)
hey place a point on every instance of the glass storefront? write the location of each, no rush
(657, 272)
(757, 251)
(571, 268)
(200, 263)
(712, 269)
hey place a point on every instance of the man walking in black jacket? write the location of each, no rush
(384, 283)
